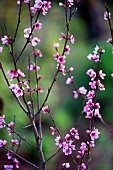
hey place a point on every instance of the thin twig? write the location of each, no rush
(21, 137)
(21, 158)
(53, 155)
(18, 22)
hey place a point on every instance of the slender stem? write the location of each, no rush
(18, 22)
(52, 156)
(54, 122)
(27, 41)
(48, 93)
(22, 138)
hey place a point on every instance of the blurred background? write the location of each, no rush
(89, 29)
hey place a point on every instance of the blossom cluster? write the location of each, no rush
(61, 58)
(92, 108)
(67, 144)
(43, 6)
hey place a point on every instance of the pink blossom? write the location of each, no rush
(56, 56)
(68, 138)
(9, 155)
(38, 4)
(38, 25)
(1, 50)
(45, 109)
(20, 73)
(82, 167)
(71, 69)
(15, 88)
(97, 106)
(5, 40)
(14, 74)
(75, 94)
(88, 132)
(29, 103)
(94, 134)
(86, 108)
(15, 141)
(92, 144)
(43, 10)
(61, 59)
(101, 74)
(2, 143)
(74, 133)
(61, 4)
(34, 41)
(63, 36)
(33, 67)
(89, 114)
(47, 5)
(96, 49)
(82, 90)
(69, 80)
(91, 73)
(70, 3)
(53, 130)
(56, 46)
(80, 154)
(58, 141)
(33, 9)
(68, 147)
(66, 165)
(16, 162)
(67, 150)
(26, 1)
(90, 103)
(93, 84)
(62, 69)
(96, 58)
(101, 86)
(90, 94)
(18, 2)
(67, 49)
(97, 114)
(83, 146)
(8, 167)
(2, 121)
(109, 40)
(19, 92)
(107, 15)
(27, 32)
(39, 53)
(10, 126)
(40, 89)
(90, 56)
(72, 39)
